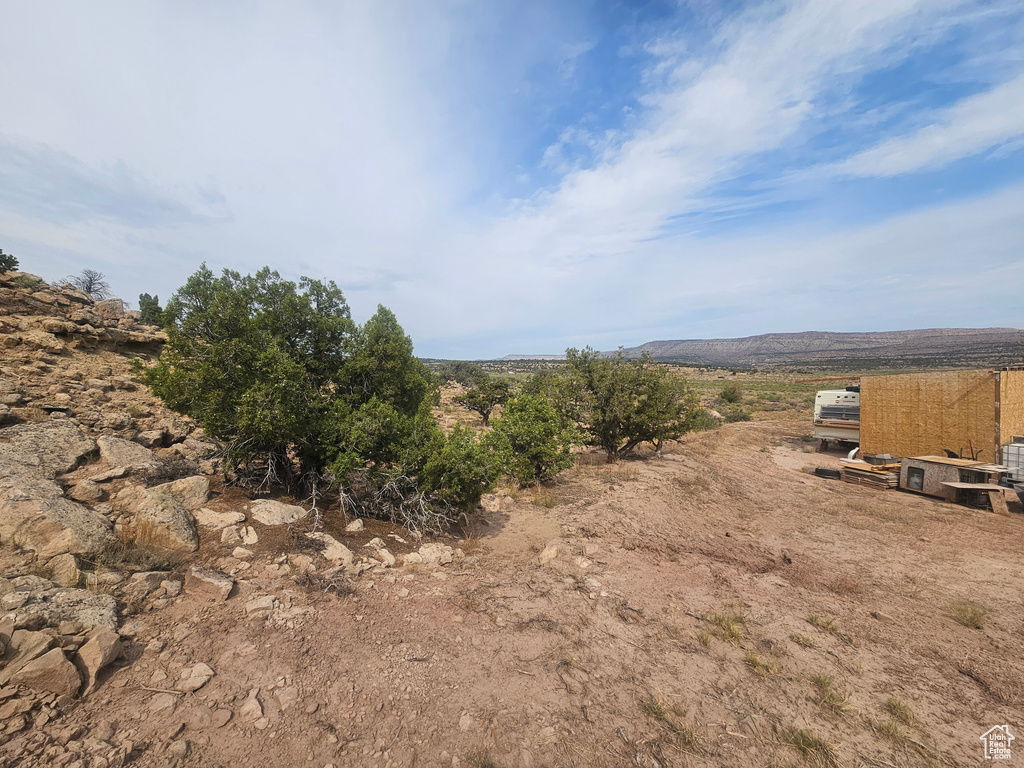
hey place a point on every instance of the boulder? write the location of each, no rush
(124, 453)
(158, 520)
(208, 518)
(23, 648)
(35, 517)
(51, 672)
(109, 309)
(64, 570)
(151, 438)
(33, 511)
(86, 490)
(102, 647)
(271, 512)
(190, 492)
(208, 582)
(332, 548)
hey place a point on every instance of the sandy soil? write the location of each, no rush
(716, 607)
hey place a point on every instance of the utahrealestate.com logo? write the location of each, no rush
(997, 742)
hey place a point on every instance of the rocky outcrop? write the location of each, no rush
(54, 319)
(33, 511)
(32, 600)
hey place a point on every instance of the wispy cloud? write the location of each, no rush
(42, 182)
(970, 127)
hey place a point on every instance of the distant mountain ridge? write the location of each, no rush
(929, 346)
(983, 346)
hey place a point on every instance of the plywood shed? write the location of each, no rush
(919, 414)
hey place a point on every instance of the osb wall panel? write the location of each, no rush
(919, 414)
(1011, 405)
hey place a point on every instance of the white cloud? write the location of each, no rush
(971, 126)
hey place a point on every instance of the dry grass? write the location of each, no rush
(544, 498)
(481, 760)
(890, 729)
(761, 667)
(704, 639)
(828, 696)
(727, 626)
(812, 746)
(803, 640)
(900, 711)
(967, 613)
(829, 625)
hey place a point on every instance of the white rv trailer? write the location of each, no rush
(837, 415)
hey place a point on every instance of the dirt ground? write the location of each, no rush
(716, 607)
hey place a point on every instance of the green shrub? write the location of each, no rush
(622, 403)
(299, 393)
(731, 393)
(536, 444)
(736, 413)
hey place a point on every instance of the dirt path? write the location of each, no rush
(715, 607)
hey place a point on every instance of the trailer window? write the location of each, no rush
(915, 478)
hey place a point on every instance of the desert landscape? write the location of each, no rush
(714, 605)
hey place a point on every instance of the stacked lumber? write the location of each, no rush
(872, 475)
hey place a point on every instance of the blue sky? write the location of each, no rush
(519, 178)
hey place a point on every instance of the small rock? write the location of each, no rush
(386, 557)
(110, 474)
(251, 710)
(198, 676)
(229, 536)
(241, 553)
(147, 581)
(260, 604)
(190, 492)
(413, 558)
(333, 549)
(86, 490)
(163, 701)
(124, 453)
(879, 616)
(375, 543)
(220, 718)
(171, 588)
(354, 526)
(287, 697)
(179, 749)
(214, 584)
(551, 551)
(248, 535)
(133, 628)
